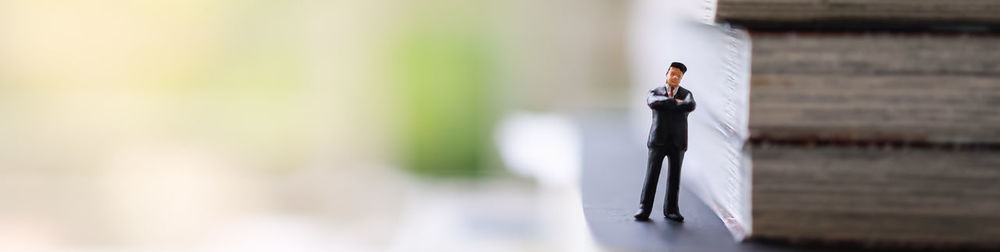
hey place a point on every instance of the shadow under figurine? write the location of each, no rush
(667, 138)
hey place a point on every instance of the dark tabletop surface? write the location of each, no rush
(613, 172)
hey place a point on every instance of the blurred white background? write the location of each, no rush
(298, 125)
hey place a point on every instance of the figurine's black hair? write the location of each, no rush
(680, 66)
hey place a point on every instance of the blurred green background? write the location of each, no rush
(174, 123)
(445, 92)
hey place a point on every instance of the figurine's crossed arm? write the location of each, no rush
(687, 105)
(658, 101)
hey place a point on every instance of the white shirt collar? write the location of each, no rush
(674, 89)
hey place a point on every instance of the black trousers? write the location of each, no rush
(676, 158)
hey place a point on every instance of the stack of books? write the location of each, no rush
(874, 123)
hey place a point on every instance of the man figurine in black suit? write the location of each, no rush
(667, 137)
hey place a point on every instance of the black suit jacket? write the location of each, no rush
(669, 117)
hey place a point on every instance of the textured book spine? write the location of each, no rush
(733, 205)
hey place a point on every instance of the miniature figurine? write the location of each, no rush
(667, 137)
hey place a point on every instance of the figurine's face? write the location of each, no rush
(674, 76)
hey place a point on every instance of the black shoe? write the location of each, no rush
(675, 217)
(642, 214)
